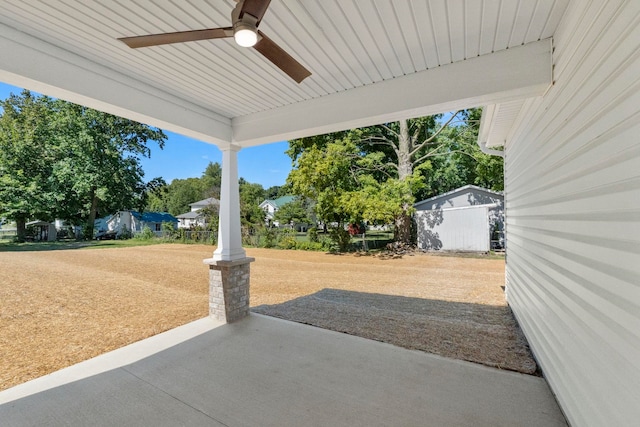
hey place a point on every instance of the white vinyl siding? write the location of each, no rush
(572, 176)
(455, 229)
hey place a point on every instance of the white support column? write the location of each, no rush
(229, 274)
(229, 235)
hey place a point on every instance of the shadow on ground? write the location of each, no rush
(478, 333)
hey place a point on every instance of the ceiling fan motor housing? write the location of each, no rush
(245, 31)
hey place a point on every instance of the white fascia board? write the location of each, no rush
(520, 72)
(34, 64)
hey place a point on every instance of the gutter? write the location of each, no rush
(483, 147)
(485, 129)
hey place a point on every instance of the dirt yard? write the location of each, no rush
(64, 306)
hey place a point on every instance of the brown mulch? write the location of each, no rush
(60, 307)
(476, 333)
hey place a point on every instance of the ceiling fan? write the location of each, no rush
(245, 19)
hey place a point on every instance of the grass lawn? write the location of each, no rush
(9, 246)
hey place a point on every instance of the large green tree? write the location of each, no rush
(389, 165)
(62, 160)
(25, 159)
(98, 170)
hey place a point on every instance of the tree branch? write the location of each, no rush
(432, 137)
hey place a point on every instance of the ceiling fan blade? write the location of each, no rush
(281, 59)
(178, 37)
(255, 8)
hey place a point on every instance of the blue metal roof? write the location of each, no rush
(155, 216)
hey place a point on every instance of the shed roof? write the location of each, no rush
(205, 202)
(460, 190)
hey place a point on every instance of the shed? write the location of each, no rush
(43, 231)
(469, 218)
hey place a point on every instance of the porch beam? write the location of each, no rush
(34, 64)
(520, 72)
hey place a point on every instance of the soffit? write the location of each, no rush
(347, 44)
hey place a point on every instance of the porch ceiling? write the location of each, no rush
(371, 61)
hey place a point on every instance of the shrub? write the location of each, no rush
(270, 236)
(312, 246)
(312, 233)
(286, 238)
(145, 234)
(125, 233)
(340, 238)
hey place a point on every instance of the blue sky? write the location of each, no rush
(184, 157)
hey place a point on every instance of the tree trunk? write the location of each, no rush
(403, 227)
(405, 170)
(88, 230)
(21, 229)
(405, 166)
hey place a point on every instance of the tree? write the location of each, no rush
(251, 216)
(392, 163)
(25, 159)
(326, 175)
(99, 168)
(408, 144)
(276, 191)
(211, 180)
(180, 193)
(62, 160)
(294, 212)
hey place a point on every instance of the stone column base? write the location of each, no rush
(229, 289)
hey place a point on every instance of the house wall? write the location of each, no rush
(572, 176)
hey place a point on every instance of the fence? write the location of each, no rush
(7, 234)
(197, 236)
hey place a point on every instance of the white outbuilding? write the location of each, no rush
(469, 218)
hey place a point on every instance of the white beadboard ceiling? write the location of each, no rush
(346, 44)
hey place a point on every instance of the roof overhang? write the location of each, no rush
(213, 91)
(502, 76)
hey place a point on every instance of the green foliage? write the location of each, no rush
(312, 246)
(62, 160)
(287, 239)
(125, 233)
(277, 191)
(26, 159)
(251, 216)
(269, 234)
(211, 180)
(145, 234)
(295, 212)
(312, 234)
(376, 174)
(341, 238)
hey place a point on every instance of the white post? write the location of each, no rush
(229, 274)
(229, 235)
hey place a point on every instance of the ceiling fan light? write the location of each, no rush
(245, 36)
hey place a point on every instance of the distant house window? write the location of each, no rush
(158, 227)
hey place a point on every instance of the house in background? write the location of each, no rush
(469, 218)
(270, 207)
(134, 222)
(195, 216)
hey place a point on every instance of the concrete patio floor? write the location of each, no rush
(263, 371)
